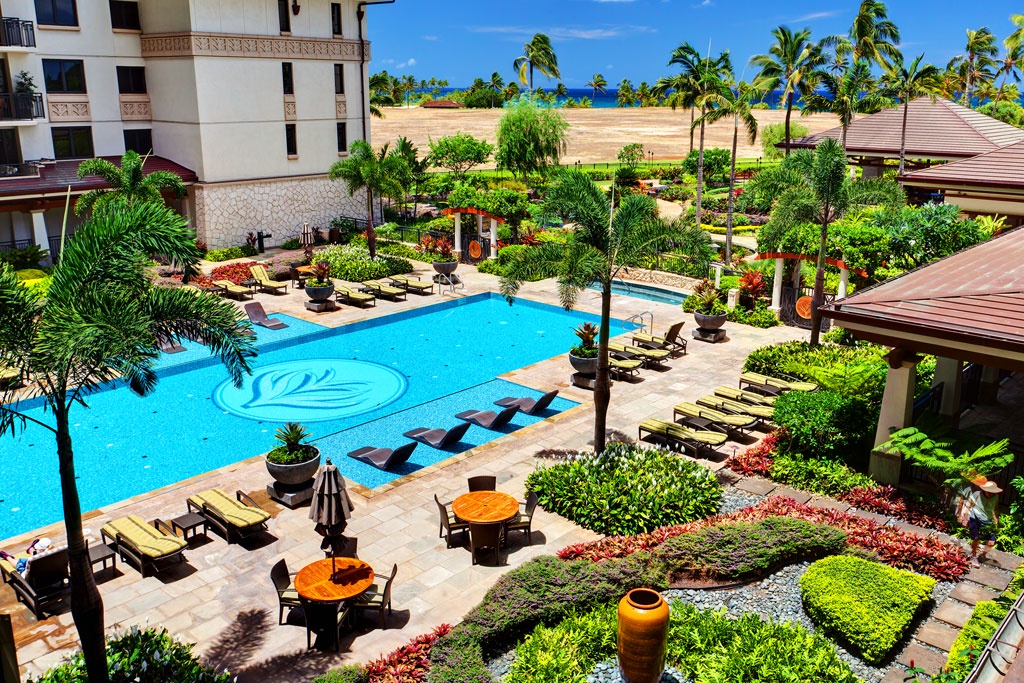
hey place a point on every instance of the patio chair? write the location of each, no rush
(742, 396)
(384, 458)
(146, 545)
(44, 584)
(354, 297)
(488, 419)
(298, 279)
(375, 599)
(485, 536)
(324, 617)
(233, 517)
(619, 367)
(450, 524)
(648, 356)
(524, 520)
(229, 288)
(483, 482)
(755, 379)
(762, 413)
(727, 421)
(379, 289)
(671, 341)
(528, 405)
(257, 316)
(412, 285)
(439, 438)
(287, 596)
(349, 549)
(263, 281)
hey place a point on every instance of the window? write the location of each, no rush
(283, 17)
(339, 79)
(56, 12)
(286, 78)
(72, 143)
(125, 15)
(64, 75)
(336, 18)
(9, 151)
(289, 140)
(131, 80)
(342, 137)
(139, 140)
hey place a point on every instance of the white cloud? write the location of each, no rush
(816, 15)
(409, 62)
(430, 38)
(565, 33)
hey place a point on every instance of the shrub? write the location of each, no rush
(491, 266)
(508, 254)
(716, 161)
(824, 424)
(821, 476)
(627, 489)
(230, 253)
(349, 673)
(567, 651)
(756, 460)
(761, 316)
(399, 249)
(890, 501)
(407, 664)
(740, 550)
(774, 133)
(25, 258)
(865, 604)
(29, 274)
(291, 244)
(140, 656)
(353, 264)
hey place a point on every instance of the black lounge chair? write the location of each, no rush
(259, 317)
(439, 438)
(45, 583)
(488, 419)
(383, 458)
(528, 405)
(169, 345)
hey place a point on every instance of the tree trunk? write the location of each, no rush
(531, 80)
(692, 112)
(842, 139)
(819, 283)
(789, 113)
(86, 603)
(732, 193)
(371, 236)
(903, 135)
(700, 174)
(602, 386)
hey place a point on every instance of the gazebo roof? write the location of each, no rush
(935, 130)
(452, 210)
(1001, 167)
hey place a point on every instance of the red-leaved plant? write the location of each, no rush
(409, 663)
(758, 459)
(753, 284)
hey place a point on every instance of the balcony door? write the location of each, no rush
(10, 153)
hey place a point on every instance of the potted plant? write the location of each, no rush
(583, 356)
(445, 263)
(293, 461)
(319, 286)
(710, 313)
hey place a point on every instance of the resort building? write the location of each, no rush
(249, 101)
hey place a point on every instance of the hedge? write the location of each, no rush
(353, 264)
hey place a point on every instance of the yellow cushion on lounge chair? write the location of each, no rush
(230, 510)
(231, 286)
(384, 289)
(412, 282)
(694, 410)
(698, 435)
(146, 538)
(743, 396)
(717, 402)
(8, 566)
(353, 294)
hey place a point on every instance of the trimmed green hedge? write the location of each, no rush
(217, 255)
(822, 476)
(353, 264)
(865, 604)
(825, 424)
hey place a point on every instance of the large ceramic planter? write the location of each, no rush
(710, 322)
(643, 635)
(445, 267)
(298, 473)
(585, 366)
(319, 293)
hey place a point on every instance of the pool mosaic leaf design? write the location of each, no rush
(306, 390)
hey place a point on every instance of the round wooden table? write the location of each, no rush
(351, 578)
(485, 507)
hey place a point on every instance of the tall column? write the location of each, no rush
(457, 247)
(780, 269)
(988, 390)
(39, 234)
(949, 373)
(844, 282)
(479, 225)
(897, 412)
(494, 238)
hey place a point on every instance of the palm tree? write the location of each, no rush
(854, 92)
(1013, 59)
(978, 59)
(417, 168)
(678, 91)
(789, 65)
(598, 84)
(737, 103)
(380, 89)
(643, 94)
(127, 184)
(561, 90)
(829, 182)
(709, 91)
(693, 69)
(537, 54)
(102, 320)
(496, 85)
(625, 96)
(511, 91)
(872, 38)
(408, 86)
(383, 175)
(603, 242)
(906, 83)
(1015, 39)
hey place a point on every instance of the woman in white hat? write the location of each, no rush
(977, 510)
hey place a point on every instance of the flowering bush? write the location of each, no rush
(756, 460)
(236, 272)
(407, 664)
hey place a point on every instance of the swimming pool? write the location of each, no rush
(395, 373)
(647, 292)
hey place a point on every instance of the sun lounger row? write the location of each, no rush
(680, 437)
(773, 386)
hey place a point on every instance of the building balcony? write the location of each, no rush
(19, 106)
(21, 170)
(16, 33)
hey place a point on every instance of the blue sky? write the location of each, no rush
(461, 39)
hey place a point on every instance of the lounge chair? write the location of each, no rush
(488, 419)
(727, 421)
(229, 288)
(693, 440)
(287, 596)
(671, 341)
(375, 598)
(263, 281)
(143, 543)
(450, 524)
(439, 438)
(482, 482)
(10, 377)
(234, 517)
(412, 285)
(648, 356)
(619, 366)
(741, 396)
(524, 520)
(257, 316)
(354, 297)
(379, 289)
(755, 379)
(528, 405)
(44, 584)
(763, 413)
(384, 458)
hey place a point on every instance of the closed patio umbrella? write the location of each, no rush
(331, 507)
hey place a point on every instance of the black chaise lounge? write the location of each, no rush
(439, 438)
(528, 405)
(488, 419)
(259, 317)
(384, 458)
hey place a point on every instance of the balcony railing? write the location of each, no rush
(16, 106)
(17, 33)
(21, 170)
(16, 244)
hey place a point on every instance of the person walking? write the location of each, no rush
(976, 510)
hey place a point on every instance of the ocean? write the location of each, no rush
(607, 99)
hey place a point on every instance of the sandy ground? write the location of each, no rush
(595, 135)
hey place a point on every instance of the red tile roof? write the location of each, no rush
(55, 177)
(1003, 167)
(935, 130)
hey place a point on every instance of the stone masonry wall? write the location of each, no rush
(226, 212)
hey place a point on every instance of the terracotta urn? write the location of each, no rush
(643, 635)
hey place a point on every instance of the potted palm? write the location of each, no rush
(319, 286)
(583, 356)
(710, 313)
(445, 263)
(293, 461)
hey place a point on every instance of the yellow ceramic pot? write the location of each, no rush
(643, 635)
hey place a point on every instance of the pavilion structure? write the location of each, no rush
(475, 252)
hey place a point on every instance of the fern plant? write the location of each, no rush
(946, 468)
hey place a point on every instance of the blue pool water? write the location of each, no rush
(647, 292)
(358, 385)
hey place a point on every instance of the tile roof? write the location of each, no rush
(1003, 167)
(935, 130)
(55, 177)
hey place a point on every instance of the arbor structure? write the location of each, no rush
(530, 138)
(128, 184)
(907, 82)
(459, 153)
(102, 321)
(537, 54)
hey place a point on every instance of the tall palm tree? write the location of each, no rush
(127, 183)
(678, 92)
(603, 242)
(693, 67)
(417, 168)
(709, 91)
(789, 64)
(561, 90)
(872, 38)
(979, 59)
(408, 86)
(906, 83)
(537, 54)
(380, 93)
(598, 84)
(496, 85)
(829, 182)
(101, 321)
(737, 102)
(625, 95)
(1012, 61)
(383, 175)
(846, 95)
(1016, 39)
